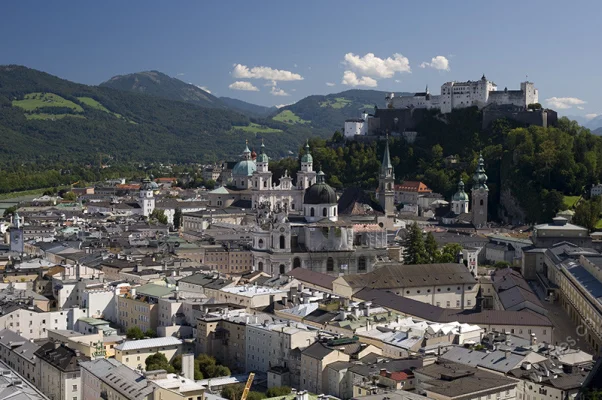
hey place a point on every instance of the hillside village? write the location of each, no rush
(145, 290)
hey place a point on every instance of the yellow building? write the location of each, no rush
(133, 353)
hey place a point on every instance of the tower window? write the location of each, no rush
(330, 264)
(281, 269)
(265, 184)
(297, 262)
(260, 243)
(481, 202)
(361, 263)
(260, 266)
(282, 242)
(324, 212)
(312, 212)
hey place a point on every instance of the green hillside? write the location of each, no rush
(44, 118)
(328, 113)
(158, 84)
(249, 109)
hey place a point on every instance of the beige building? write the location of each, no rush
(58, 371)
(140, 307)
(441, 285)
(19, 354)
(133, 353)
(250, 296)
(227, 259)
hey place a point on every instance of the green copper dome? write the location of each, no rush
(307, 158)
(244, 168)
(460, 195)
(320, 192)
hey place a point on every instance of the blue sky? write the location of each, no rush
(305, 45)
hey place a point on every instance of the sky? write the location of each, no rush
(278, 52)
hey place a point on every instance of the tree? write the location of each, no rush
(587, 212)
(209, 368)
(134, 333)
(70, 196)
(534, 106)
(159, 215)
(150, 333)
(10, 211)
(278, 391)
(431, 247)
(414, 251)
(501, 264)
(232, 392)
(158, 361)
(177, 218)
(449, 253)
(210, 184)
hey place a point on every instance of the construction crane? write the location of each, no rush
(245, 392)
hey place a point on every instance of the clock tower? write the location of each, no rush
(16, 234)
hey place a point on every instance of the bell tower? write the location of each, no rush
(386, 186)
(16, 234)
(480, 195)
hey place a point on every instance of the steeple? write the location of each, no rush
(246, 153)
(16, 220)
(386, 168)
(427, 89)
(479, 177)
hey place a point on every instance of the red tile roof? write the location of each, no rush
(412, 186)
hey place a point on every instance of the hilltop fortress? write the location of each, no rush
(466, 94)
(402, 114)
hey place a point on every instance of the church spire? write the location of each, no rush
(479, 177)
(386, 169)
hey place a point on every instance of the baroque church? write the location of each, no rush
(459, 212)
(300, 225)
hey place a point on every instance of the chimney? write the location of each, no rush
(507, 353)
(367, 305)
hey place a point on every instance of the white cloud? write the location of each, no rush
(591, 116)
(397, 81)
(376, 67)
(242, 71)
(439, 62)
(242, 85)
(331, 84)
(580, 108)
(295, 65)
(564, 102)
(282, 105)
(350, 79)
(180, 74)
(278, 92)
(203, 88)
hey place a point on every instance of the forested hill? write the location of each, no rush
(158, 84)
(45, 118)
(329, 112)
(248, 108)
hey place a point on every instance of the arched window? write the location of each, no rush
(330, 264)
(389, 186)
(324, 212)
(260, 266)
(312, 212)
(260, 243)
(282, 242)
(481, 202)
(265, 184)
(281, 268)
(296, 262)
(361, 263)
(334, 211)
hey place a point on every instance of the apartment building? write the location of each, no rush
(19, 354)
(133, 353)
(58, 366)
(140, 307)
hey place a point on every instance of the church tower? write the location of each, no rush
(146, 197)
(262, 176)
(386, 187)
(480, 194)
(460, 200)
(306, 175)
(16, 234)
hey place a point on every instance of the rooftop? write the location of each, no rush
(148, 343)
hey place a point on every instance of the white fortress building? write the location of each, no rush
(466, 94)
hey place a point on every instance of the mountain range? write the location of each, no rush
(150, 116)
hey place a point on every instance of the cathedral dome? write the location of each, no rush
(460, 195)
(244, 167)
(320, 192)
(147, 184)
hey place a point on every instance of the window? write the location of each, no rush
(324, 212)
(457, 303)
(330, 264)
(448, 303)
(282, 269)
(74, 387)
(312, 212)
(282, 242)
(260, 243)
(361, 263)
(481, 202)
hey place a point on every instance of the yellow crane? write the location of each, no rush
(245, 392)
